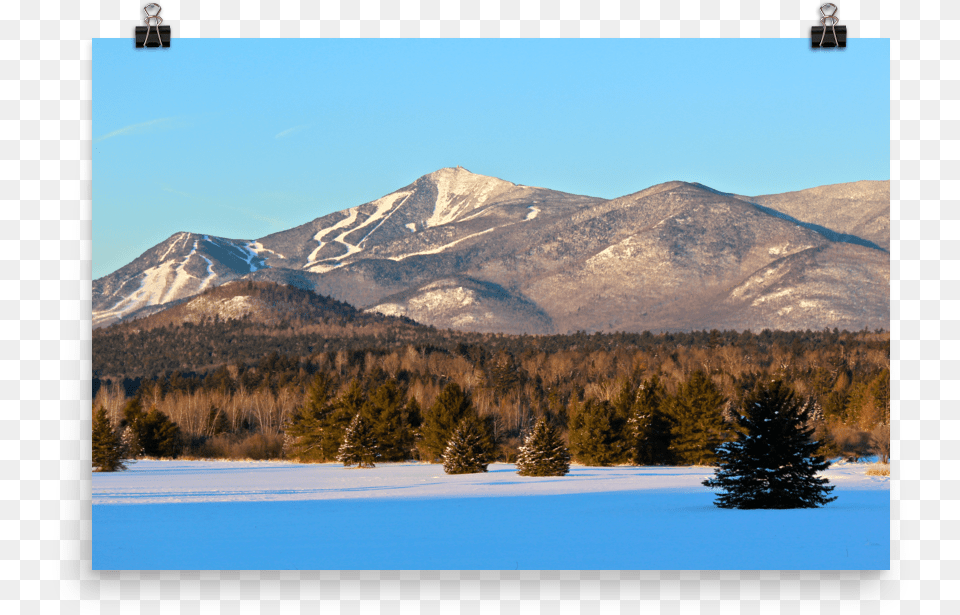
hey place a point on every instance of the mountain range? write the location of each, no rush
(459, 250)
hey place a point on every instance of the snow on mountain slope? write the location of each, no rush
(467, 304)
(441, 248)
(383, 209)
(184, 265)
(460, 192)
(666, 257)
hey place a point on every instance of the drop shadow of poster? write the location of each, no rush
(491, 304)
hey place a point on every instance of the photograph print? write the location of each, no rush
(491, 304)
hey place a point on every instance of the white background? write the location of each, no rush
(45, 349)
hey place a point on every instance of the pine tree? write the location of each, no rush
(304, 435)
(469, 450)
(773, 462)
(442, 418)
(649, 427)
(595, 434)
(543, 452)
(359, 444)
(698, 428)
(107, 446)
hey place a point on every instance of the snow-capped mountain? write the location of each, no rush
(183, 265)
(461, 250)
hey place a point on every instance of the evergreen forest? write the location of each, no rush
(290, 389)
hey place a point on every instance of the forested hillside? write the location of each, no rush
(240, 387)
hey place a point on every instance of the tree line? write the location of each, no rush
(619, 384)
(767, 456)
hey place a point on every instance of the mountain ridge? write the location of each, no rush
(461, 250)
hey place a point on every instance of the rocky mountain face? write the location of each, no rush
(464, 251)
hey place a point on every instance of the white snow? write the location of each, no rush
(164, 282)
(389, 309)
(412, 226)
(346, 222)
(379, 215)
(459, 190)
(435, 298)
(210, 273)
(533, 212)
(272, 515)
(181, 278)
(384, 209)
(181, 237)
(443, 247)
(257, 247)
(250, 256)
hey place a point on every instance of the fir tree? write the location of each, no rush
(158, 435)
(304, 435)
(649, 427)
(152, 433)
(442, 418)
(698, 428)
(543, 452)
(107, 446)
(336, 423)
(773, 462)
(130, 443)
(393, 421)
(359, 444)
(469, 450)
(595, 435)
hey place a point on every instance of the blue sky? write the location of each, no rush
(245, 137)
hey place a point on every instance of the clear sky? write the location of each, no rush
(245, 137)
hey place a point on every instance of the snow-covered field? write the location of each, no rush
(268, 515)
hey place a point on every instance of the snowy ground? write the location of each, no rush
(266, 515)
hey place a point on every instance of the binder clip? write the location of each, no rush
(152, 35)
(818, 34)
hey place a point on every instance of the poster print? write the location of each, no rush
(450, 304)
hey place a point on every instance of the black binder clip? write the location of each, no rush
(152, 35)
(818, 34)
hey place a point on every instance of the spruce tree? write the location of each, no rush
(304, 435)
(337, 421)
(469, 450)
(158, 435)
(698, 428)
(107, 446)
(130, 424)
(392, 422)
(649, 426)
(442, 418)
(543, 452)
(130, 443)
(359, 445)
(773, 462)
(596, 438)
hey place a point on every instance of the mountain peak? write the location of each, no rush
(461, 176)
(459, 191)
